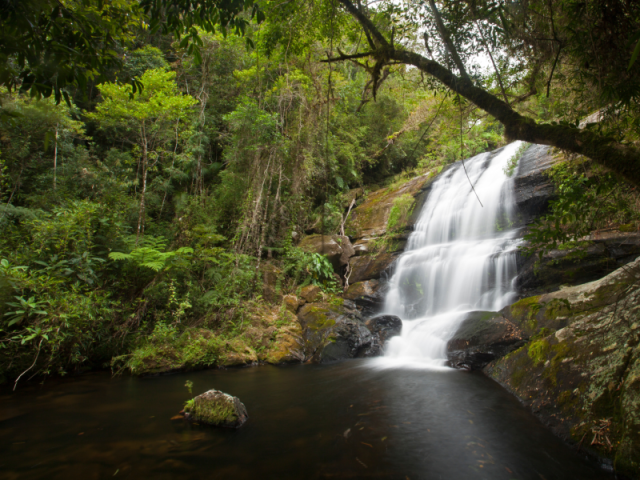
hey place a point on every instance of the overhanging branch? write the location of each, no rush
(621, 159)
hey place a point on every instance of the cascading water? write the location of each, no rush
(460, 258)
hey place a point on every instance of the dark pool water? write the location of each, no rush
(339, 421)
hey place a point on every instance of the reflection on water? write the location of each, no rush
(339, 421)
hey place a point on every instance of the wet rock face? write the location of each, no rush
(385, 327)
(334, 331)
(216, 408)
(370, 267)
(580, 370)
(382, 328)
(608, 251)
(533, 188)
(368, 295)
(481, 338)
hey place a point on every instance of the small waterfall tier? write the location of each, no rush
(459, 258)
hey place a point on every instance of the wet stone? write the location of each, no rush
(217, 409)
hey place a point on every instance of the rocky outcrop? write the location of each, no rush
(604, 252)
(217, 409)
(370, 219)
(368, 295)
(481, 338)
(580, 370)
(334, 330)
(370, 267)
(336, 248)
(383, 328)
(380, 226)
(533, 189)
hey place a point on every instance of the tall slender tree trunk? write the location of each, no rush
(55, 159)
(141, 214)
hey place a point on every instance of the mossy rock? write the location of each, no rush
(216, 408)
(583, 378)
(371, 218)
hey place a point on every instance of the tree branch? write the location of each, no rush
(446, 38)
(621, 159)
(348, 57)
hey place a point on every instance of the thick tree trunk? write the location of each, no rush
(621, 159)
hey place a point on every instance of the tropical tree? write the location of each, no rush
(539, 32)
(47, 46)
(149, 121)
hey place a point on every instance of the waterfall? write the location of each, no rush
(459, 258)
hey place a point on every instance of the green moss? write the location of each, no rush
(518, 365)
(220, 410)
(556, 308)
(627, 228)
(336, 301)
(402, 207)
(538, 351)
(524, 306)
(320, 319)
(560, 351)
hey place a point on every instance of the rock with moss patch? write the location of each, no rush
(292, 303)
(311, 293)
(580, 371)
(216, 408)
(370, 267)
(333, 330)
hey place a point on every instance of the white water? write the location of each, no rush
(460, 258)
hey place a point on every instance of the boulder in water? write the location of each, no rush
(384, 327)
(216, 408)
(481, 338)
(333, 331)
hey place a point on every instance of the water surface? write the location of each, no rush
(348, 420)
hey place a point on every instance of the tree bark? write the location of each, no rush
(623, 160)
(145, 161)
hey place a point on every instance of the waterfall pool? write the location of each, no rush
(347, 420)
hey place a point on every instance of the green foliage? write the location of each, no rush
(305, 268)
(47, 46)
(149, 257)
(24, 309)
(512, 164)
(587, 199)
